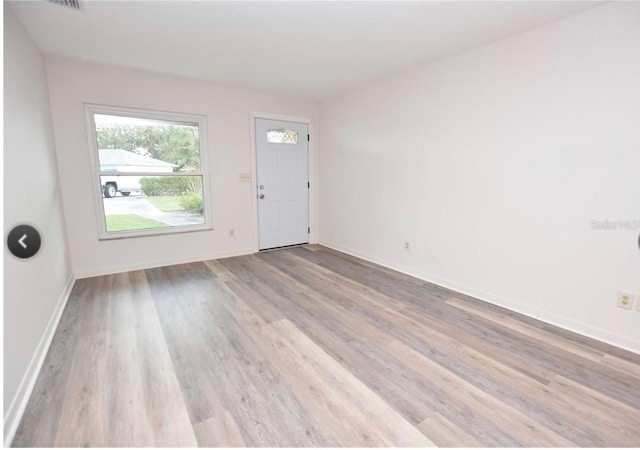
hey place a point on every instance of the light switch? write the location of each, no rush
(245, 178)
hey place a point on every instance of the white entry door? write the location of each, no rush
(283, 182)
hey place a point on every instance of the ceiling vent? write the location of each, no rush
(75, 4)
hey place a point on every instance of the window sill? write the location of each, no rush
(115, 235)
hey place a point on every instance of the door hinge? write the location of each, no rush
(308, 185)
(309, 230)
(308, 137)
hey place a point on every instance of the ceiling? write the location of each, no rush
(310, 49)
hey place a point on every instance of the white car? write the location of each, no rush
(111, 185)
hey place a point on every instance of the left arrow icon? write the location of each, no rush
(24, 241)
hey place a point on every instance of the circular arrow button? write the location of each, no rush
(24, 241)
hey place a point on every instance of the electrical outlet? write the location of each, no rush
(232, 233)
(407, 245)
(625, 300)
(245, 178)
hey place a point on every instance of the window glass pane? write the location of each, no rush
(143, 203)
(131, 144)
(282, 137)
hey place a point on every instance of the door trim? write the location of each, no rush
(313, 223)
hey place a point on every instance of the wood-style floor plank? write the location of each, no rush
(122, 390)
(526, 329)
(543, 356)
(450, 353)
(446, 434)
(219, 431)
(39, 424)
(309, 347)
(210, 343)
(372, 412)
(519, 427)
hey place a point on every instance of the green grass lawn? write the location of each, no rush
(127, 222)
(166, 203)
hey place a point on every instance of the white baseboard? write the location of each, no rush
(581, 328)
(14, 414)
(160, 263)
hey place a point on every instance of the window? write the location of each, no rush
(282, 137)
(150, 171)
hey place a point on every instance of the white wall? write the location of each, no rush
(73, 83)
(34, 287)
(493, 164)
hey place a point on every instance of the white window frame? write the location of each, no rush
(165, 116)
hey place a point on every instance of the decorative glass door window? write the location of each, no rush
(282, 137)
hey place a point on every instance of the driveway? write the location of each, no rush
(138, 204)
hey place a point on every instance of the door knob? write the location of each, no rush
(261, 196)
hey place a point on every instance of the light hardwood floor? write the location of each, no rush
(310, 347)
